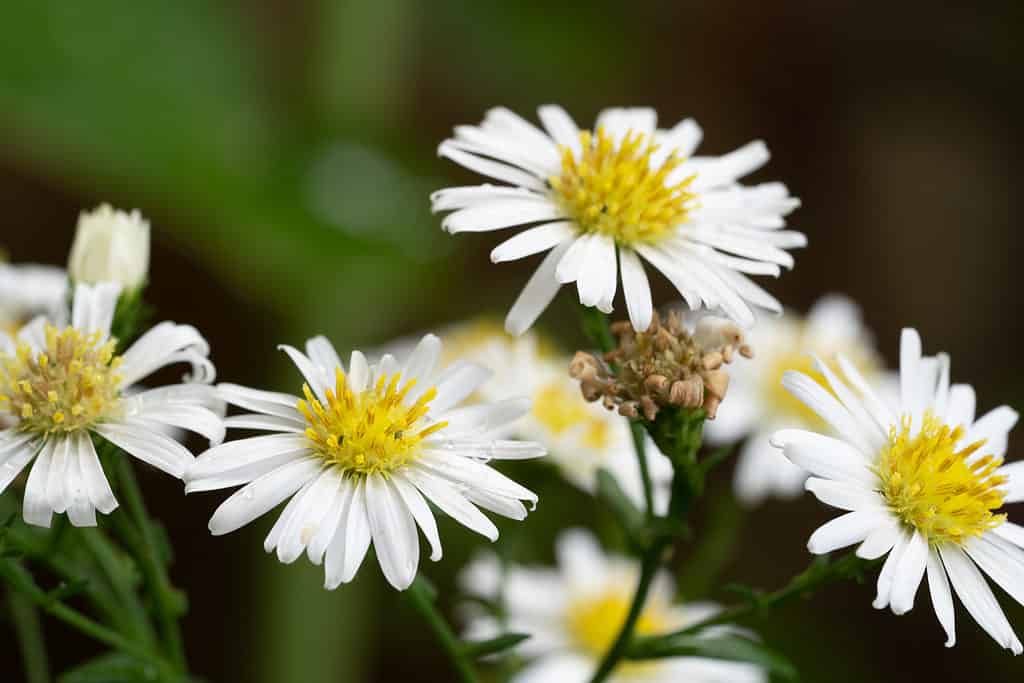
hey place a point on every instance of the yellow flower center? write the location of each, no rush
(613, 189)
(935, 488)
(558, 407)
(594, 623)
(71, 385)
(372, 432)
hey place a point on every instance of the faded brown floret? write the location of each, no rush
(665, 366)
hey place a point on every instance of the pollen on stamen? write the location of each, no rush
(616, 190)
(937, 486)
(374, 431)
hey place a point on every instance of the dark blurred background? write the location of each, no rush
(284, 152)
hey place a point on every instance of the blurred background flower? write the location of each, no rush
(284, 154)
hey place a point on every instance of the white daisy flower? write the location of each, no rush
(361, 455)
(574, 613)
(924, 484)
(758, 404)
(580, 437)
(28, 290)
(628, 189)
(62, 385)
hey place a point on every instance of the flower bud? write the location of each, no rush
(110, 246)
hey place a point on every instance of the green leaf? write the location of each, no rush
(113, 667)
(484, 648)
(728, 647)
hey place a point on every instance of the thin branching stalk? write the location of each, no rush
(421, 597)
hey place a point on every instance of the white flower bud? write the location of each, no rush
(110, 246)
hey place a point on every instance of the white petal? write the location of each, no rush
(456, 383)
(888, 573)
(503, 213)
(358, 372)
(482, 418)
(474, 475)
(266, 402)
(561, 127)
(533, 241)
(268, 423)
(580, 558)
(824, 456)
(96, 483)
(36, 508)
(910, 359)
(148, 445)
(330, 526)
(317, 379)
(166, 344)
(994, 427)
(1014, 473)
(492, 169)
(56, 496)
(451, 502)
(942, 598)
(357, 533)
(262, 495)
(394, 532)
(844, 495)
(570, 267)
(853, 527)
(423, 359)
(869, 427)
(1001, 560)
(193, 418)
(537, 294)
(977, 597)
(872, 403)
(960, 410)
(681, 140)
(16, 451)
(909, 574)
(239, 462)
(636, 289)
(1011, 532)
(314, 507)
(881, 540)
(81, 512)
(323, 354)
(420, 512)
(93, 307)
(824, 404)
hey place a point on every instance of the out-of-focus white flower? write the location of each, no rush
(110, 246)
(581, 437)
(758, 405)
(924, 484)
(606, 199)
(28, 290)
(60, 385)
(574, 614)
(360, 457)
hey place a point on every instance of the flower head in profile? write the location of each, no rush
(581, 438)
(604, 200)
(61, 385)
(359, 455)
(110, 246)
(758, 404)
(29, 290)
(574, 614)
(923, 486)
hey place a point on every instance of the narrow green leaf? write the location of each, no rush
(113, 667)
(622, 508)
(484, 648)
(728, 647)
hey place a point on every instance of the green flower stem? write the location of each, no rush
(29, 632)
(116, 575)
(640, 448)
(20, 580)
(650, 564)
(152, 566)
(821, 572)
(421, 596)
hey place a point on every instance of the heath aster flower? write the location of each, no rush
(574, 614)
(360, 456)
(59, 386)
(924, 485)
(758, 404)
(606, 198)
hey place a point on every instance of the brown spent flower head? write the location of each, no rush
(665, 366)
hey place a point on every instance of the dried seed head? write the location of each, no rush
(666, 365)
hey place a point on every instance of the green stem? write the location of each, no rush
(595, 326)
(116, 576)
(648, 570)
(821, 572)
(640, 448)
(20, 580)
(29, 631)
(421, 597)
(152, 567)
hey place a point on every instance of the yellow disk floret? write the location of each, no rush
(613, 190)
(947, 494)
(557, 406)
(594, 623)
(372, 432)
(72, 384)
